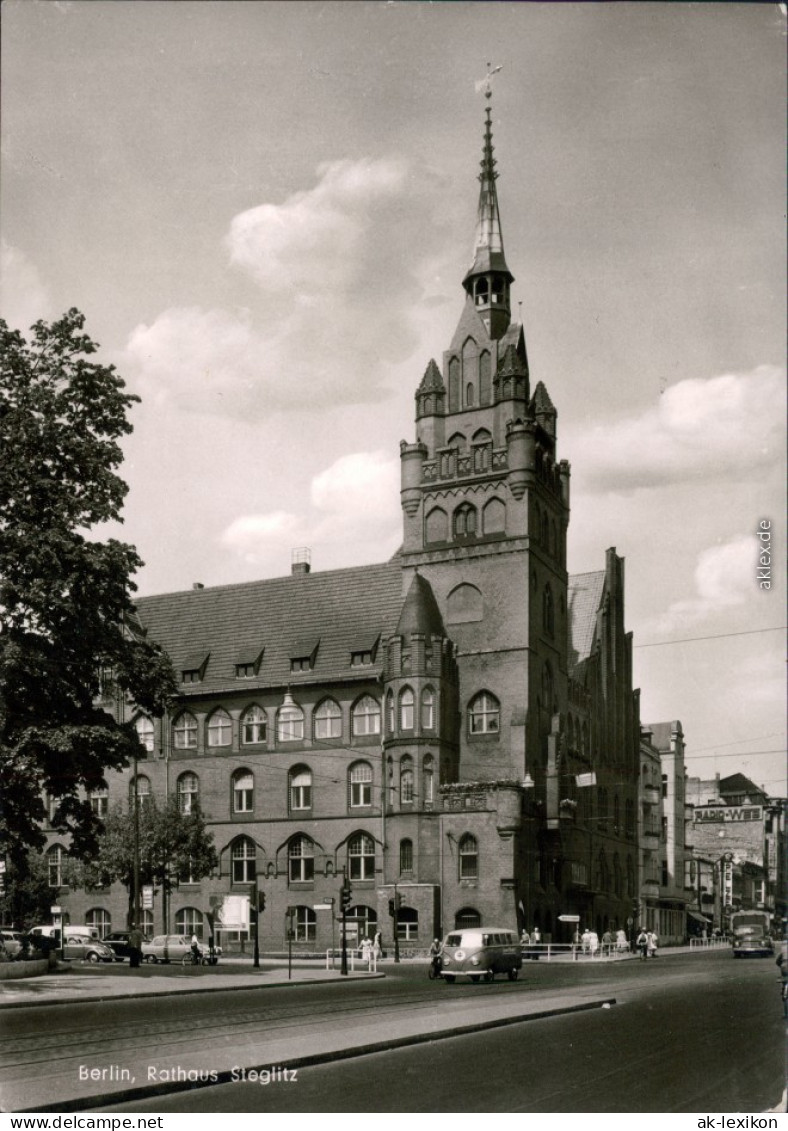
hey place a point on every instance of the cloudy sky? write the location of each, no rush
(265, 211)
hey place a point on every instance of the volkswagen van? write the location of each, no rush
(481, 952)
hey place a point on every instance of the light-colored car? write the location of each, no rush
(79, 948)
(12, 941)
(166, 948)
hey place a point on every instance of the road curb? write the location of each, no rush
(112, 1099)
(82, 1000)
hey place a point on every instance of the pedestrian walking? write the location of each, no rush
(585, 940)
(135, 947)
(377, 946)
(366, 949)
(621, 941)
(641, 942)
(525, 938)
(651, 944)
(593, 942)
(607, 943)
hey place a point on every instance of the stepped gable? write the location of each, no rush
(420, 612)
(585, 592)
(338, 607)
(432, 381)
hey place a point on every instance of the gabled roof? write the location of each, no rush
(470, 325)
(585, 594)
(738, 783)
(272, 616)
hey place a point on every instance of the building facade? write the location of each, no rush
(455, 727)
(663, 831)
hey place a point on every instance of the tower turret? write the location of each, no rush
(489, 279)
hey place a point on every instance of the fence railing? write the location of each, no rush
(710, 944)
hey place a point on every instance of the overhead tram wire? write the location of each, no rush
(716, 636)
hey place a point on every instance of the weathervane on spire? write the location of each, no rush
(485, 84)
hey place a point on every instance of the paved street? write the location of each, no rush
(686, 1030)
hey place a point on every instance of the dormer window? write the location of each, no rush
(363, 650)
(247, 662)
(303, 655)
(193, 667)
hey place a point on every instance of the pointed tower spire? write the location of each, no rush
(489, 278)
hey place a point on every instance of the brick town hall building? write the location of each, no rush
(458, 721)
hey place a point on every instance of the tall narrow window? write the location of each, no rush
(243, 792)
(305, 924)
(301, 855)
(300, 789)
(55, 860)
(427, 709)
(366, 716)
(428, 780)
(220, 729)
(244, 861)
(548, 612)
(139, 787)
(145, 733)
(188, 791)
(406, 709)
(328, 720)
(469, 858)
(406, 785)
(360, 785)
(253, 725)
(390, 712)
(405, 856)
(361, 857)
(465, 521)
(99, 802)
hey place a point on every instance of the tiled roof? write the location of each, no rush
(432, 379)
(338, 607)
(420, 612)
(585, 593)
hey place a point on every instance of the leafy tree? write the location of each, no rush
(65, 596)
(27, 896)
(172, 846)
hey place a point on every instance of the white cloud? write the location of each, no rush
(730, 425)
(340, 274)
(725, 577)
(356, 508)
(23, 297)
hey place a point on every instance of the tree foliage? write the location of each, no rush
(173, 846)
(65, 596)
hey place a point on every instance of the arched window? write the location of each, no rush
(366, 716)
(485, 384)
(189, 921)
(470, 369)
(253, 725)
(464, 604)
(428, 780)
(547, 688)
(220, 729)
(289, 721)
(301, 860)
(56, 857)
(139, 786)
(484, 714)
(304, 924)
(328, 720)
(465, 521)
(548, 611)
(405, 856)
(436, 525)
(467, 917)
(300, 789)
(390, 712)
(144, 728)
(188, 792)
(454, 384)
(184, 732)
(407, 924)
(366, 918)
(361, 857)
(406, 784)
(469, 858)
(243, 792)
(244, 861)
(482, 292)
(427, 709)
(406, 709)
(469, 395)
(100, 919)
(360, 780)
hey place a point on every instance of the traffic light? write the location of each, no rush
(260, 902)
(391, 908)
(397, 901)
(347, 895)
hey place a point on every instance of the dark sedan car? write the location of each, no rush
(118, 941)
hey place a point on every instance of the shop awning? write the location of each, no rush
(698, 918)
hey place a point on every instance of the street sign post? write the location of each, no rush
(569, 918)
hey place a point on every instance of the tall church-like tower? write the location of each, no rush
(485, 509)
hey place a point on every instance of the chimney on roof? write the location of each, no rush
(197, 585)
(301, 561)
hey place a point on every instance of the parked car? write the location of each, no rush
(81, 948)
(12, 941)
(118, 941)
(166, 948)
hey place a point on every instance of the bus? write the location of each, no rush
(751, 935)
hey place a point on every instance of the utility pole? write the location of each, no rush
(346, 895)
(396, 923)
